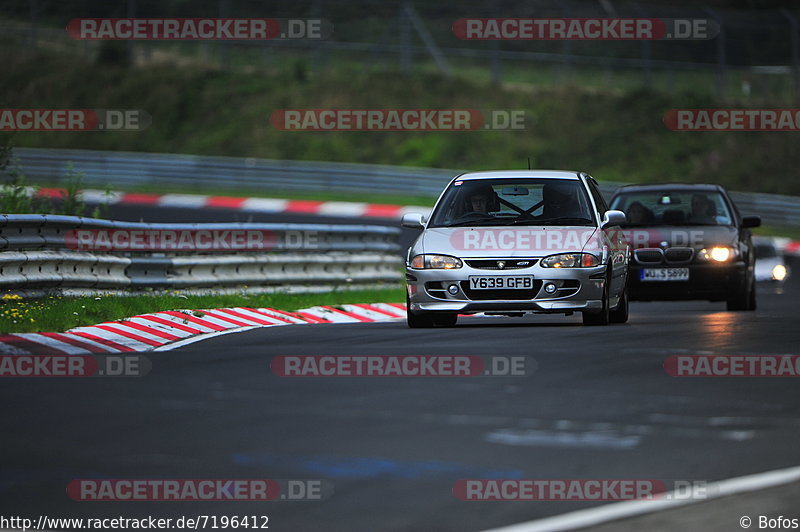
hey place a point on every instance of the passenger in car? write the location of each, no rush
(483, 200)
(560, 201)
(638, 214)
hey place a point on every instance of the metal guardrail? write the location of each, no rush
(41, 251)
(136, 169)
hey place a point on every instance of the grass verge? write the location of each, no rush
(57, 313)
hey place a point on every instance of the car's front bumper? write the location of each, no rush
(714, 282)
(578, 289)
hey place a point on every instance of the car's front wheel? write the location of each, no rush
(604, 316)
(620, 314)
(745, 297)
(445, 320)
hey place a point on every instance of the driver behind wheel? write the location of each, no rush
(483, 200)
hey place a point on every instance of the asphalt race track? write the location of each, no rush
(599, 405)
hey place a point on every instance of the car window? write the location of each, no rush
(602, 206)
(679, 207)
(523, 201)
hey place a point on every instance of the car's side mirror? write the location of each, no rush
(413, 220)
(751, 221)
(613, 218)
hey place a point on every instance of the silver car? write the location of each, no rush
(516, 242)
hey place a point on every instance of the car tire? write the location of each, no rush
(603, 317)
(745, 298)
(417, 320)
(620, 314)
(445, 320)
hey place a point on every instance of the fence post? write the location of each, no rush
(427, 38)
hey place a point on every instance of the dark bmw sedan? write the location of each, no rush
(688, 242)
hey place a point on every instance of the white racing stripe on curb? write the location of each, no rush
(183, 321)
(256, 316)
(117, 326)
(264, 205)
(183, 200)
(342, 208)
(52, 342)
(93, 195)
(282, 315)
(91, 342)
(159, 326)
(211, 319)
(114, 337)
(223, 316)
(333, 317)
(623, 510)
(390, 308)
(367, 313)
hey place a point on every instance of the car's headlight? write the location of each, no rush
(570, 260)
(435, 262)
(717, 254)
(779, 272)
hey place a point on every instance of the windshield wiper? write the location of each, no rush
(564, 220)
(472, 222)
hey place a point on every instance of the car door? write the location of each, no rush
(618, 249)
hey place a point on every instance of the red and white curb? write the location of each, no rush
(345, 209)
(148, 332)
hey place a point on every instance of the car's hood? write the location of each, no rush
(520, 241)
(698, 236)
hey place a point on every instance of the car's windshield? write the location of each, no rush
(523, 201)
(678, 207)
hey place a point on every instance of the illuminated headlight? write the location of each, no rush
(779, 272)
(435, 262)
(570, 260)
(718, 254)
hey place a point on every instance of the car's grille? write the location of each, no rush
(648, 256)
(676, 255)
(484, 295)
(508, 264)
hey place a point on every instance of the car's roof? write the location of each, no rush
(516, 174)
(705, 187)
